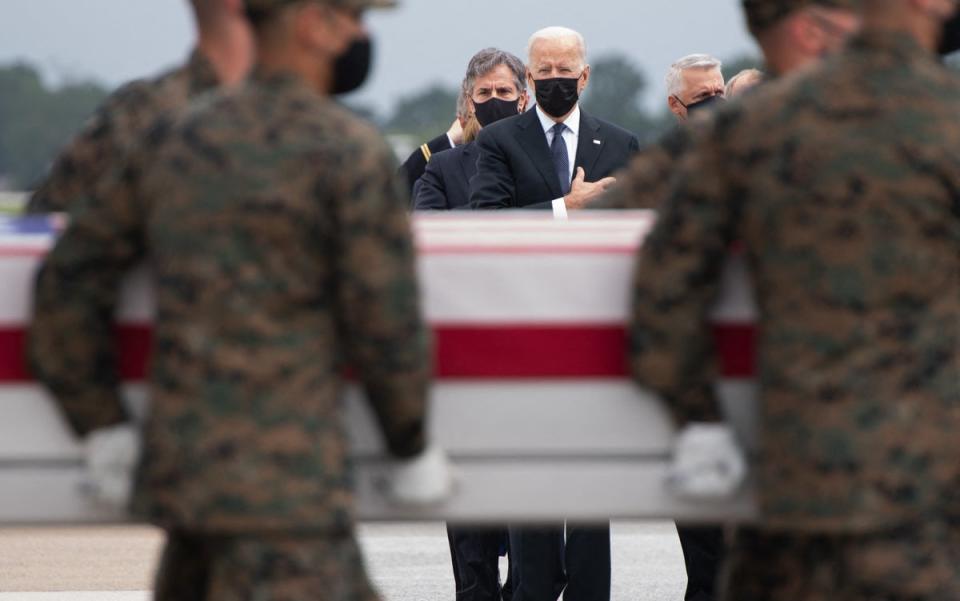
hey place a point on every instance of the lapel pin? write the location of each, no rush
(597, 142)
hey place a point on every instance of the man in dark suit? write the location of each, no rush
(445, 184)
(494, 89)
(557, 156)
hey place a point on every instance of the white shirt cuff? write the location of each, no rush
(560, 209)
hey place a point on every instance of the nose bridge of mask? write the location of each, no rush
(557, 95)
(710, 102)
(495, 109)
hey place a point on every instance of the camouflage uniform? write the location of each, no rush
(843, 186)
(118, 125)
(646, 180)
(278, 236)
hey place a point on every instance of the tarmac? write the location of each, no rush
(408, 562)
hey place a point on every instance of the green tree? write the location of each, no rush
(616, 93)
(425, 114)
(35, 122)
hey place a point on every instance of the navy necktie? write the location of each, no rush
(561, 160)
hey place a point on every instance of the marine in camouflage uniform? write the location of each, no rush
(844, 186)
(279, 240)
(123, 119)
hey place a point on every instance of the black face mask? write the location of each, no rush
(706, 103)
(712, 102)
(557, 96)
(950, 42)
(352, 67)
(495, 109)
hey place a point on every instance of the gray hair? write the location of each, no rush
(747, 74)
(486, 61)
(694, 61)
(560, 33)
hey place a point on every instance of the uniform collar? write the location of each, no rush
(279, 80)
(200, 73)
(894, 44)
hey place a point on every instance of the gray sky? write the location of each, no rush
(424, 41)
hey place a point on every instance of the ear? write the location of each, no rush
(234, 6)
(530, 81)
(524, 101)
(318, 26)
(584, 79)
(807, 35)
(676, 108)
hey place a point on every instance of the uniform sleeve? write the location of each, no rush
(378, 298)
(91, 154)
(415, 165)
(430, 193)
(71, 345)
(676, 282)
(646, 180)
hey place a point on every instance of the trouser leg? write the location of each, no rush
(290, 568)
(588, 563)
(536, 562)
(914, 562)
(476, 558)
(702, 555)
(184, 570)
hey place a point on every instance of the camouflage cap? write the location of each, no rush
(267, 6)
(762, 14)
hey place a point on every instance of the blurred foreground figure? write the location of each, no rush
(223, 56)
(843, 183)
(742, 82)
(278, 237)
(793, 35)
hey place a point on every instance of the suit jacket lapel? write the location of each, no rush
(532, 139)
(588, 151)
(468, 162)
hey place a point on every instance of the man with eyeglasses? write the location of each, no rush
(694, 83)
(793, 35)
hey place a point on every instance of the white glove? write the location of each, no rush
(110, 455)
(422, 480)
(707, 463)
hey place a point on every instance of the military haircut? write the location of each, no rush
(263, 16)
(762, 15)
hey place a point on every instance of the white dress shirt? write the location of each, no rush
(571, 135)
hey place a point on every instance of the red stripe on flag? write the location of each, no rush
(464, 351)
(530, 351)
(135, 343)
